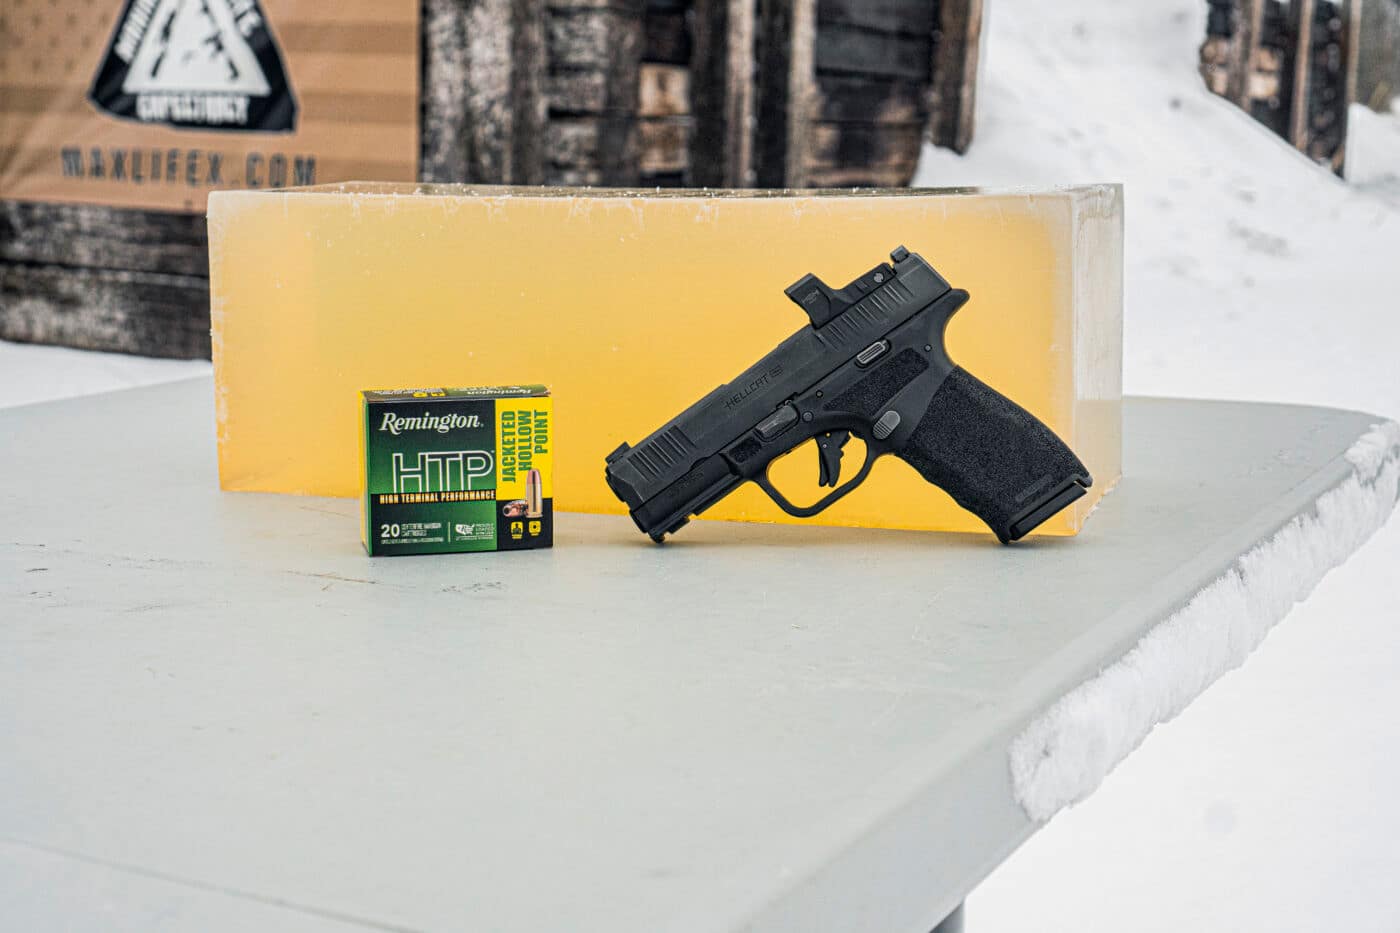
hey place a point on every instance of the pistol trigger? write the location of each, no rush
(829, 456)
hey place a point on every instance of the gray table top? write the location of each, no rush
(217, 713)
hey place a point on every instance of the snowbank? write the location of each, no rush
(1373, 151)
(1066, 752)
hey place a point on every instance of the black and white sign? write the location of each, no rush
(195, 64)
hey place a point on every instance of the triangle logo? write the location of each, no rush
(195, 64)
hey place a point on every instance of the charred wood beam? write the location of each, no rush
(595, 54)
(1351, 58)
(787, 92)
(1300, 21)
(105, 309)
(482, 105)
(957, 53)
(101, 237)
(721, 93)
(1245, 58)
(664, 114)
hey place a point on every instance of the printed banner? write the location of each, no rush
(155, 103)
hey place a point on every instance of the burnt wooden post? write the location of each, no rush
(1300, 18)
(664, 115)
(1351, 58)
(874, 67)
(721, 93)
(1248, 25)
(595, 53)
(1266, 94)
(1322, 71)
(529, 62)
(787, 92)
(1219, 49)
(1351, 47)
(957, 54)
(482, 106)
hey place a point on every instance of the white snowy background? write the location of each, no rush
(1271, 803)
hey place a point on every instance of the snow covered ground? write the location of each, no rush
(1373, 144)
(30, 373)
(1270, 803)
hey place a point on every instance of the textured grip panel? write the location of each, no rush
(993, 457)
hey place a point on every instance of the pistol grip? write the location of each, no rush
(993, 457)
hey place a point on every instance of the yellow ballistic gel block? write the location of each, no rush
(631, 306)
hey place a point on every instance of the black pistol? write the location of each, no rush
(871, 363)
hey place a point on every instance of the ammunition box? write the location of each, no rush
(464, 469)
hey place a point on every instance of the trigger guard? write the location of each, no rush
(872, 453)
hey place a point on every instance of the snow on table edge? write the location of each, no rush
(1067, 751)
